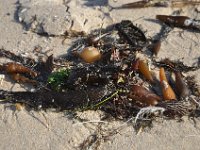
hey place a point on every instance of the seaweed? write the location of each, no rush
(57, 79)
(113, 84)
(17, 58)
(131, 34)
(175, 65)
(45, 98)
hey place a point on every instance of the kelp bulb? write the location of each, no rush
(90, 54)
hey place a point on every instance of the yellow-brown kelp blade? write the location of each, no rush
(144, 70)
(167, 91)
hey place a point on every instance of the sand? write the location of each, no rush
(19, 33)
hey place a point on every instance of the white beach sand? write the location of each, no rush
(50, 130)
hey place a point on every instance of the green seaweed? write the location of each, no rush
(57, 79)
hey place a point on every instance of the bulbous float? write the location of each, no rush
(90, 54)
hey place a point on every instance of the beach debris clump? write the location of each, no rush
(103, 71)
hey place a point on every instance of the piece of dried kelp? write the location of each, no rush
(131, 34)
(91, 75)
(17, 58)
(175, 65)
(44, 69)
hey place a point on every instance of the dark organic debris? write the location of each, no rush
(26, 70)
(108, 80)
(17, 58)
(44, 98)
(132, 34)
(44, 68)
(175, 65)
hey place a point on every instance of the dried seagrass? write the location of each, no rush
(178, 108)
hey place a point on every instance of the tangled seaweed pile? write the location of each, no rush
(109, 70)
